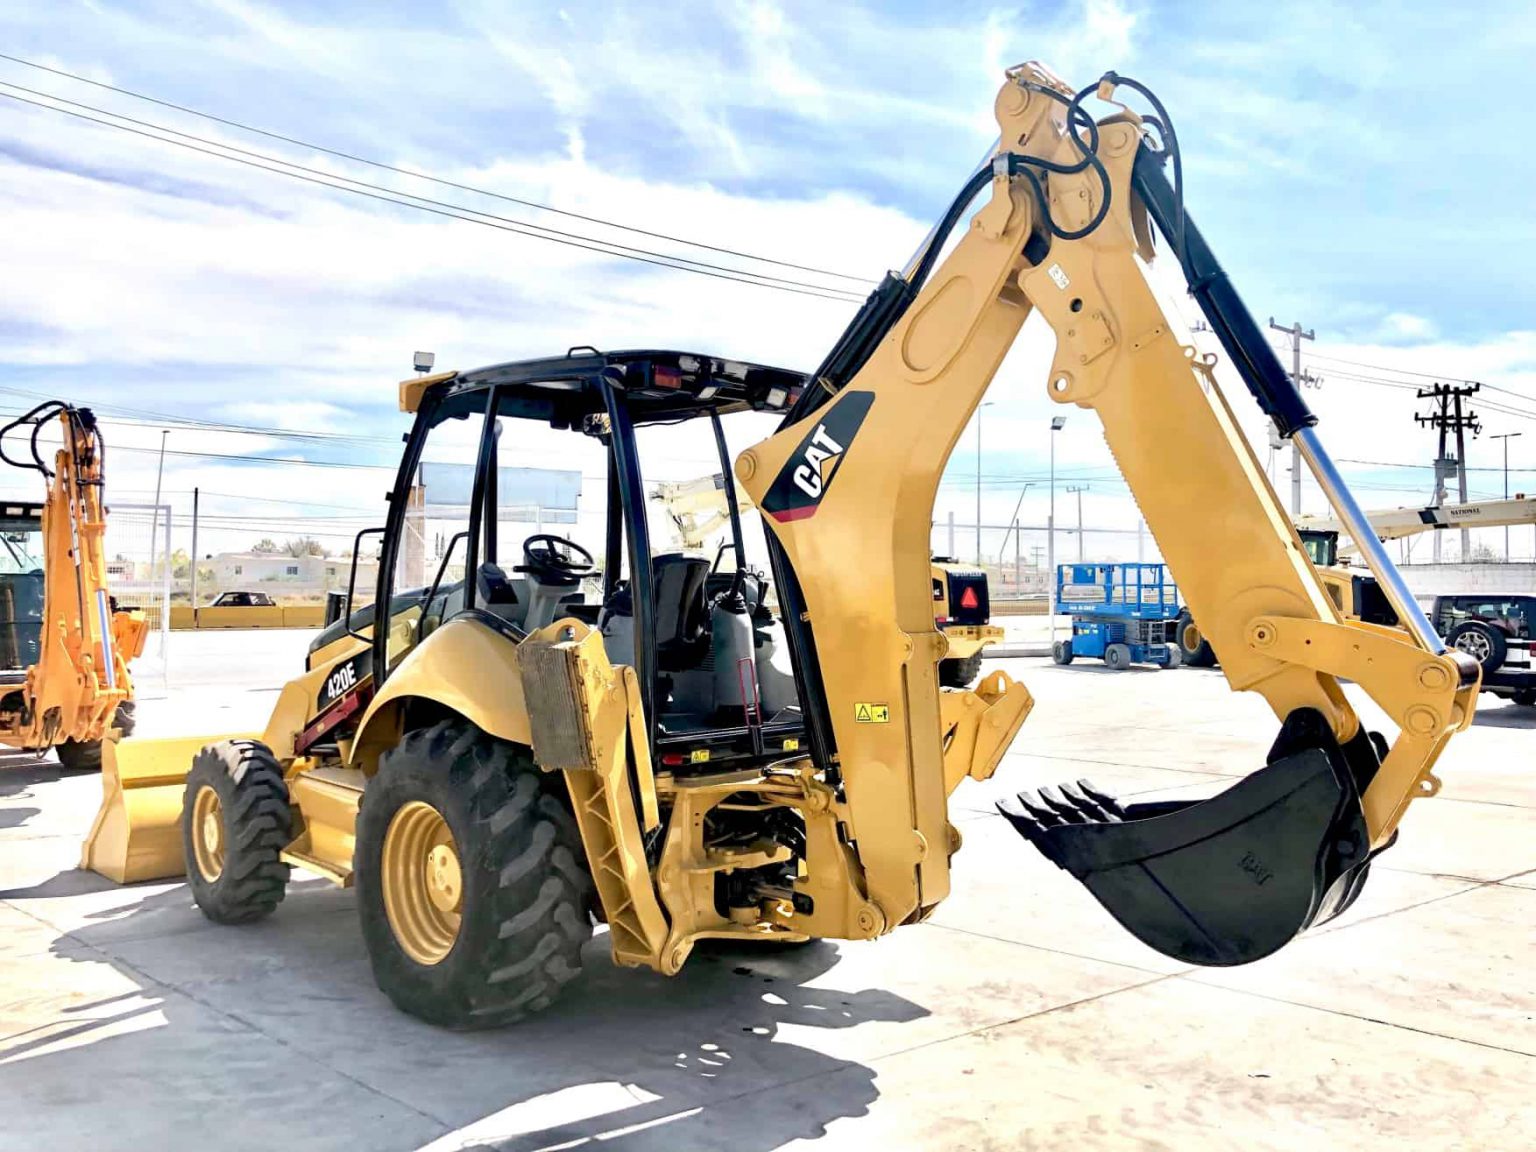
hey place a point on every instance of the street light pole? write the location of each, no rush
(1057, 423)
(979, 407)
(1506, 437)
(154, 515)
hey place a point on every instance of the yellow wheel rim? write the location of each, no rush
(423, 883)
(208, 833)
(1190, 638)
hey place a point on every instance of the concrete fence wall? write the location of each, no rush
(278, 616)
(1430, 580)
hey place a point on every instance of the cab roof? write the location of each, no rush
(657, 384)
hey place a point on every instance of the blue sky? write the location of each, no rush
(1355, 167)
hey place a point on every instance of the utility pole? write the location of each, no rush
(1300, 379)
(1079, 489)
(1013, 522)
(1057, 424)
(1506, 437)
(1449, 416)
(194, 559)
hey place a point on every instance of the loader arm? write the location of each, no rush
(850, 481)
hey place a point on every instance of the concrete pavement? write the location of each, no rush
(1020, 1016)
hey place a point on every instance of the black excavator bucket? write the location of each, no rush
(1229, 879)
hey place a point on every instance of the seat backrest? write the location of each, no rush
(681, 615)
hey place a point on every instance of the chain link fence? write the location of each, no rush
(1017, 558)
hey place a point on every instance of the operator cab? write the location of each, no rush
(525, 497)
(21, 590)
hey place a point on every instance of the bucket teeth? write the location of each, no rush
(1033, 813)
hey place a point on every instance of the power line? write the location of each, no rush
(1425, 375)
(113, 412)
(1404, 464)
(433, 179)
(438, 207)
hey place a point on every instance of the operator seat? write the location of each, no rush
(682, 616)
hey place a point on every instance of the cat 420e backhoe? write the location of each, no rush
(501, 754)
(65, 645)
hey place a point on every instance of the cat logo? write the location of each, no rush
(798, 489)
(821, 458)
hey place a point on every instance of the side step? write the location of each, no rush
(1227, 880)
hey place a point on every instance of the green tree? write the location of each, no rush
(304, 546)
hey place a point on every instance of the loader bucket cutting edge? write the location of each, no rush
(1215, 882)
(136, 835)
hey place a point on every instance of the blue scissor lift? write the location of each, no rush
(1123, 614)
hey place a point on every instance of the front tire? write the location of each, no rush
(1194, 647)
(471, 880)
(958, 673)
(1061, 652)
(235, 823)
(1117, 657)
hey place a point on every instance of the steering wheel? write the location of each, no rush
(556, 559)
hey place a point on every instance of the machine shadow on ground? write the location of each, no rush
(20, 773)
(1509, 716)
(667, 1051)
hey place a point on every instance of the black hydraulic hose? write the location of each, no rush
(979, 180)
(35, 417)
(1254, 358)
(881, 311)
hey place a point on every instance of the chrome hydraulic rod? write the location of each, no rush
(1358, 525)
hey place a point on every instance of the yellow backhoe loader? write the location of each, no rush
(65, 646)
(494, 758)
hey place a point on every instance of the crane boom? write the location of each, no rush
(1397, 523)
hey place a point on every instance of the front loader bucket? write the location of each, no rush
(1221, 881)
(137, 831)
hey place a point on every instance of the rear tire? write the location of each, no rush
(126, 718)
(85, 755)
(1061, 651)
(1194, 647)
(472, 884)
(959, 673)
(79, 755)
(1117, 657)
(1175, 656)
(1483, 642)
(1526, 697)
(235, 823)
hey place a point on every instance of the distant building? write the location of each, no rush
(282, 575)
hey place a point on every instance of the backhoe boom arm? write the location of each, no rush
(852, 479)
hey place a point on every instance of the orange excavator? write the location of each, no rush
(65, 644)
